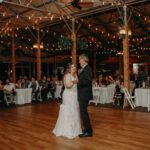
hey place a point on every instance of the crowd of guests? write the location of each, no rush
(45, 85)
(103, 80)
(48, 84)
(140, 80)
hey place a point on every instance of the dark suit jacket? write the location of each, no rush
(85, 84)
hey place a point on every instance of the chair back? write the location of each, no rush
(96, 91)
(126, 92)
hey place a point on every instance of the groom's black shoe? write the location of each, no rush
(86, 134)
(84, 131)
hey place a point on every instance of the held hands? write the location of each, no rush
(75, 81)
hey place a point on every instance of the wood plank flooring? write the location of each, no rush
(29, 128)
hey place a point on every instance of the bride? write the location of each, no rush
(68, 123)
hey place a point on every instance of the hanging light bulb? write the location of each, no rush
(52, 17)
(17, 16)
(4, 14)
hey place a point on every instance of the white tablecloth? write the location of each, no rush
(141, 97)
(106, 94)
(23, 96)
(58, 91)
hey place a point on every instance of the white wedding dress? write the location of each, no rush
(68, 123)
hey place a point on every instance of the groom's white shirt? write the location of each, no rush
(83, 68)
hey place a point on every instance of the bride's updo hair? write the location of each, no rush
(68, 68)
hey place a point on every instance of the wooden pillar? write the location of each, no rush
(13, 59)
(94, 64)
(74, 51)
(38, 56)
(126, 51)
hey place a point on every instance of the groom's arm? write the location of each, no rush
(86, 79)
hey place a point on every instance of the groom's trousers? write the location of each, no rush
(85, 115)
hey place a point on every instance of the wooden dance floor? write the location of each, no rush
(30, 127)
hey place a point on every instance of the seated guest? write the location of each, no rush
(147, 83)
(9, 89)
(44, 88)
(18, 84)
(26, 82)
(121, 78)
(101, 81)
(110, 79)
(59, 74)
(119, 94)
(1, 92)
(52, 86)
(35, 88)
(22, 84)
(117, 81)
(107, 82)
(94, 83)
(142, 77)
(135, 79)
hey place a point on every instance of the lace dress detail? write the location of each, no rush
(68, 122)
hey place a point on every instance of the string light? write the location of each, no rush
(4, 14)
(17, 16)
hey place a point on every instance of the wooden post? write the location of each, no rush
(74, 51)
(126, 51)
(38, 56)
(94, 64)
(13, 59)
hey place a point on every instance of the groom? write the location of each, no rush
(85, 94)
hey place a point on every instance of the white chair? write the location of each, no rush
(129, 98)
(39, 96)
(96, 96)
(33, 97)
(9, 98)
(49, 95)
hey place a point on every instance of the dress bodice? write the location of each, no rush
(68, 81)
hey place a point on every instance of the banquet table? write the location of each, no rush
(23, 96)
(141, 97)
(106, 94)
(58, 91)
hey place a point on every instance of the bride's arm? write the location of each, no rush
(67, 81)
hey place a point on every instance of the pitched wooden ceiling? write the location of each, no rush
(99, 24)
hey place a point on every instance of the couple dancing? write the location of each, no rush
(76, 96)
